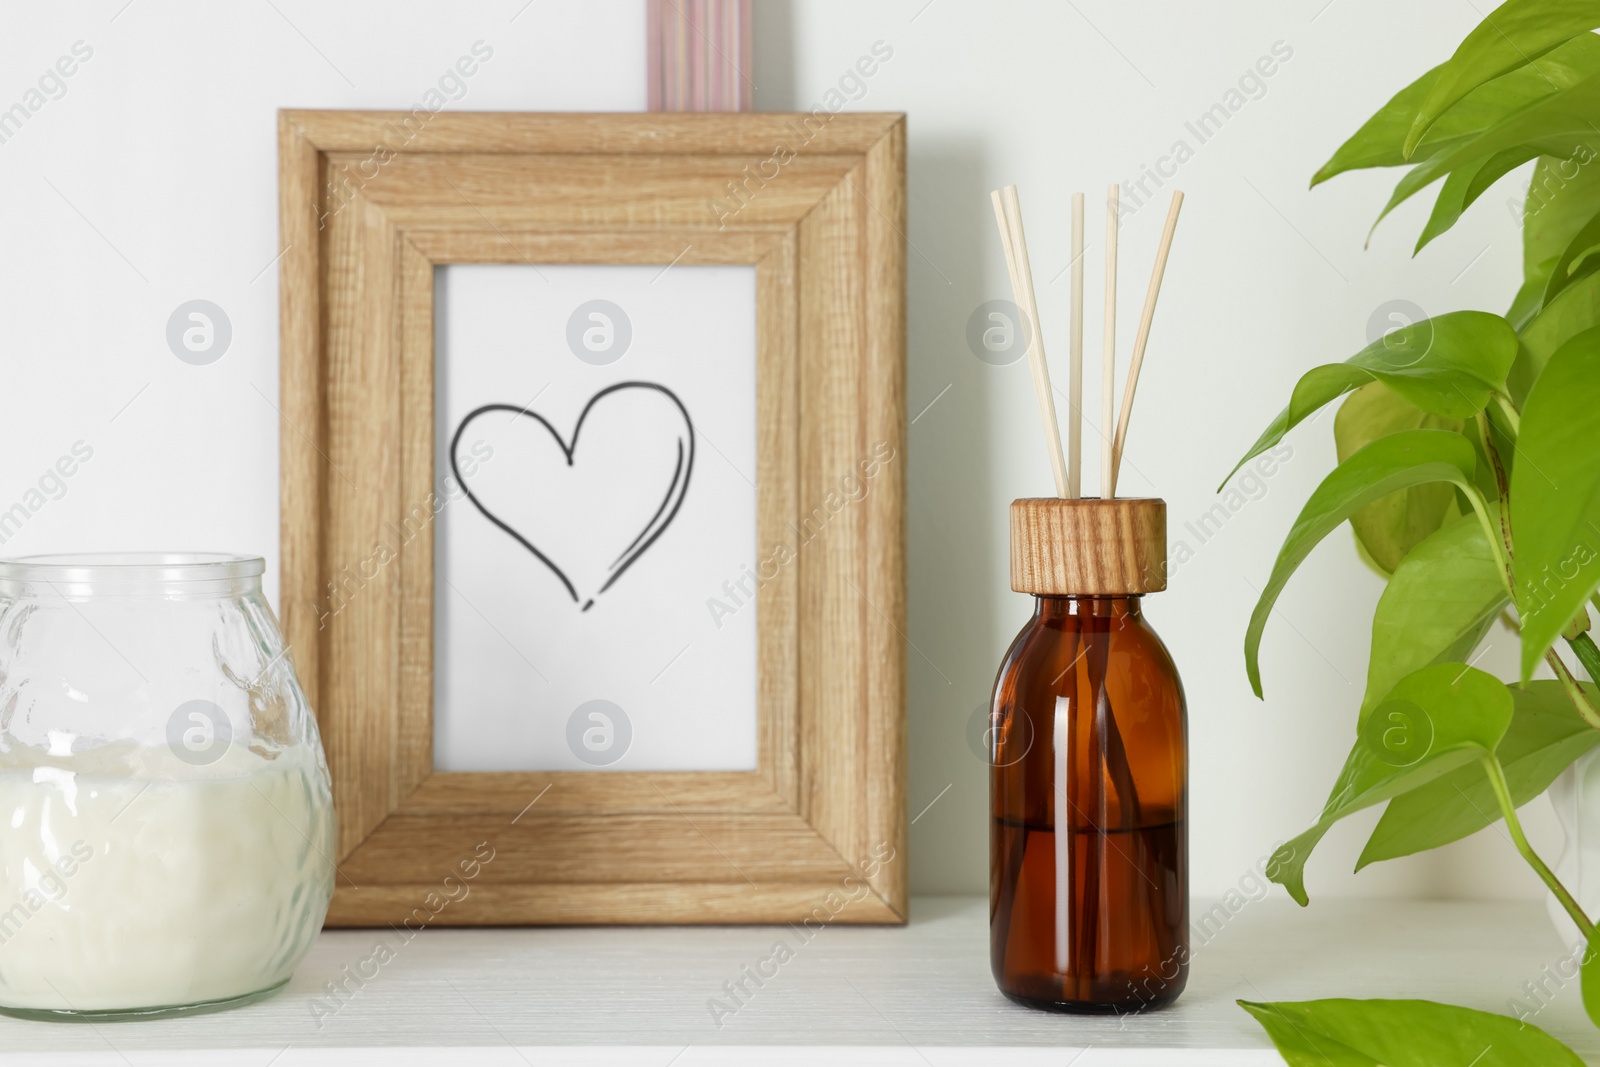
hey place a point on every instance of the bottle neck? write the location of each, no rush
(1047, 608)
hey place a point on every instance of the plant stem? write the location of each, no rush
(1502, 793)
(1575, 693)
(1588, 655)
(1481, 507)
(1502, 483)
(1509, 410)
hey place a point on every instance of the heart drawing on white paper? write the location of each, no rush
(588, 516)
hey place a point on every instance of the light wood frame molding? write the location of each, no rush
(370, 203)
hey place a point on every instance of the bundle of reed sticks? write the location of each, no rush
(1067, 466)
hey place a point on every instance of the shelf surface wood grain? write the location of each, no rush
(909, 995)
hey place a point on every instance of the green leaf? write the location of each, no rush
(1564, 273)
(1387, 529)
(1436, 720)
(1562, 124)
(1417, 179)
(1381, 140)
(1545, 736)
(1526, 304)
(1437, 606)
(1488, 485)
(1573, 311)
(1584, 264)
(1563, 195)
(1403, 1033)
(1449, 365)
(1513, 35)
(1465, 185)
(1398, 461)
(1555, 496)
(1589, 981)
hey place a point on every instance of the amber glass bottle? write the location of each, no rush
(1089, 900)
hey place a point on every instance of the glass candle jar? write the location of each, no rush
(168, 832)
(1089, 902)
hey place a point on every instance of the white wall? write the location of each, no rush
(152, 181)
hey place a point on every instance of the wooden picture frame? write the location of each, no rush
(370, 203)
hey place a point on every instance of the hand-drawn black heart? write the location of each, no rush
(596, 519)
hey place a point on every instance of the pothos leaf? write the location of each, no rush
(1545, 736)
(1398, 461)
(1574, 310)
(1387, 529)
(1436, 720)
(1403, 1033)
(1567, 268)
(1513, 35)
(1465, 185)
(1563, 195)
(1381, 140)
(1560, 124)
(1449, 365)
(1589, 980)
(1555, 496)
(1437, 606)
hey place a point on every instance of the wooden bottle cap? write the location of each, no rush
(1089, 546)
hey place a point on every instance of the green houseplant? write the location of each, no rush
(1469, 469)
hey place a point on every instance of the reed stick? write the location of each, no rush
(1008, 215)
(1075, 359)
(1108, 360)
(1143, 336)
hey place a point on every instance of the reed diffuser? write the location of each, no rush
(1089, 896)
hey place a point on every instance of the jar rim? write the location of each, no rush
(117, 567)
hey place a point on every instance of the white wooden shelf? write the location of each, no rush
(918, 995)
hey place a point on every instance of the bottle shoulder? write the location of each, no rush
(1048, 645)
